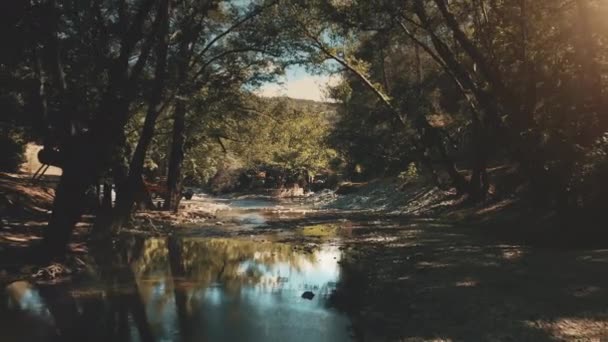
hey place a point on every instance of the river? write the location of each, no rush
(249, 273)
(192, 288)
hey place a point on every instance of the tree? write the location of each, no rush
(236, 49)
(85, 153)
(326, 34)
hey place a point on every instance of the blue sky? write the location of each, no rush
(299, 83)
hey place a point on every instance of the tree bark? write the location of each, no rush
(174, 176)
(88, 155)
(134, 183)
(176, 157)
(67, 209)
(478, 183)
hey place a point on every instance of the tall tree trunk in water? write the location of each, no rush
(134, 183)
(174, 176)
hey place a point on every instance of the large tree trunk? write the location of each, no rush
(478, 185)
(174, 176)
(67, 209)
(84, 165)
(86, 157)
(176, 157)
(134, 183)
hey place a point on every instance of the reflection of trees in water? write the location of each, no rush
(120, 300)
(176, 269)
(139, 278)
(107, 310)
(231, 262)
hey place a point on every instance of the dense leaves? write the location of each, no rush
(117, 89)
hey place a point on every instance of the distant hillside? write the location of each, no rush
(330, 109)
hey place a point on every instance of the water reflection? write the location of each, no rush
(188, 289)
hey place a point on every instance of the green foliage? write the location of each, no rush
(467, 83)
(225, 177)
(247, 132)
(433, 82)
(411, 174)
(288, 137)
(210, 260)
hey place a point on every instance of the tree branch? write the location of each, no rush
(236, 25)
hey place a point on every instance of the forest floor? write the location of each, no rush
(25, 208)
(422, 264)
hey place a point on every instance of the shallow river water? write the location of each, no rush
(189, 288)
(241, 276)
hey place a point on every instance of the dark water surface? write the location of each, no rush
(191, 289)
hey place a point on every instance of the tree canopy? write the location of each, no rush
(115, 87)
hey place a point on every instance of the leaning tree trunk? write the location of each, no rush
(134, 187)
(174, 176)
(86, 157)
(478, 185)
(85, 160)
(431, 137)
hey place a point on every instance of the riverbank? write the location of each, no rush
(376, 206)
(25, 208)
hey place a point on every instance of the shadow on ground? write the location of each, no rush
(429, 281)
